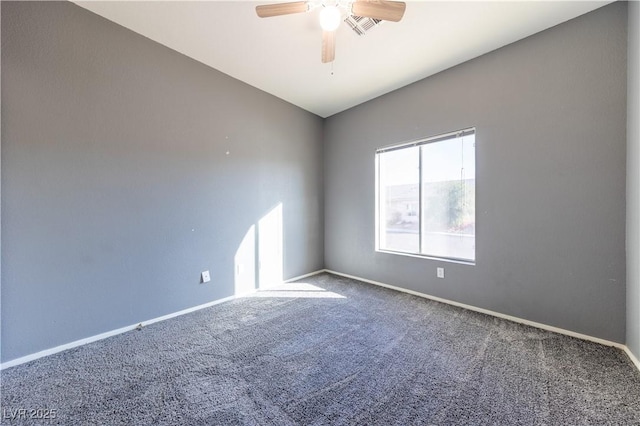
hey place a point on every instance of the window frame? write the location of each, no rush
(415, 143)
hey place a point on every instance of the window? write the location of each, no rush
(426, 197)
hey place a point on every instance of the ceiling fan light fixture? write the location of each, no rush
(331, 15)
(330, 18)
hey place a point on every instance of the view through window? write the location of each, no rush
(426, 197)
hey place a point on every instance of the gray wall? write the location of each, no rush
(633, 180)
(116, 187)
(550, 115)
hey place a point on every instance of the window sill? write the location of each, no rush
(422, 256)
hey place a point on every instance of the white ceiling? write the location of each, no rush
(281, 55)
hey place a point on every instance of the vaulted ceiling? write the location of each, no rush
(281, 55)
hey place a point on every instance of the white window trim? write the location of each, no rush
(393, 147)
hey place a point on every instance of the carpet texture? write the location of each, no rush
(329, 350)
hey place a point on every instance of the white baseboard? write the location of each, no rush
(310, 274)
(499, 315)
(51, 351)
(632, 357)
(70, 345)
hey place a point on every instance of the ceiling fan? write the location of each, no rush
(332, 13)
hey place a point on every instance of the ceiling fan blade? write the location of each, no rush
(379, 9)
(277, 9)
(328, 46)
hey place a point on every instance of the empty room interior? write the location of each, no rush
(320, 212)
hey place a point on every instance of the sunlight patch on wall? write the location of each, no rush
(270, 248)
(259, 260)
(244, 263)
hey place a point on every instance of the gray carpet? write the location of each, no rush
(342, 353)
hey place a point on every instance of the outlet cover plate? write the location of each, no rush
(205, 277)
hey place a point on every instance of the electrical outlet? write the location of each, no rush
(205, 277)
(440, 272)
